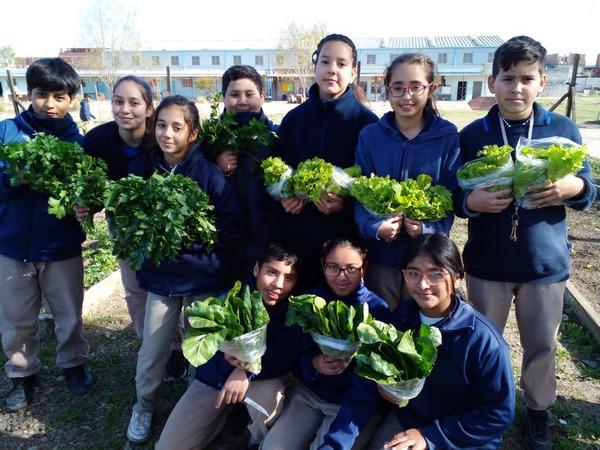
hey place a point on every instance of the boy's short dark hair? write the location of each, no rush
(515, 50)
(235, 73)
(52, 74)
(277, 251)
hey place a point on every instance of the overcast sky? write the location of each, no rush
(42, 27)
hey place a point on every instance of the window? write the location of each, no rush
(237, 60)
(443, 58)
(186, 82)
(135, 60)
(174, 60)
(195, 60)
(216, 60)
(468, 58)
(155, 60)
(371, 59)
(259, 60)
(490, 57)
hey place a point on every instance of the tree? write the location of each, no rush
(111, 27)
(7, 56)
(294, 53)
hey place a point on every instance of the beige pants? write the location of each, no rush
(22, 285)
(161, 319)
(538, 309)
(194, 421)
(303, 424)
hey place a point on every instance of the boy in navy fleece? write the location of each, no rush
(532, 270)
(222, 380)
(40, 254)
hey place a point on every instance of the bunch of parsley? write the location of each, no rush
(59, 168)
(156, 218)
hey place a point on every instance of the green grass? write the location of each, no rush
(587, 107)
(98, 258)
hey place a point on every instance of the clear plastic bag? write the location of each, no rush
(404, 390)
(500, 179)
(530, 170)
(278, 190)
(336, 348)
(339, 184)
(249, 348)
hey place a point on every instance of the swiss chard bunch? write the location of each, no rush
(235, 323)
(223, 132)
(156, 218)
(277, 177)
(60, 169)
(388, 356)
(315, 176)
(333, 319)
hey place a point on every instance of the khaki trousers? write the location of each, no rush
(194, 422)
(22, 285)
(162, 316)
(538, 309)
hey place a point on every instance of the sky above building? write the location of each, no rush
(42, 28)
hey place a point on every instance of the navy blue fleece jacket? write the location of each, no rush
(196, 271)
(467, 401)
(382, 150)
(27, 231)
(541, 252)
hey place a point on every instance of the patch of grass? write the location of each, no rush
(98, 259)
(581, 346)
(587, 107)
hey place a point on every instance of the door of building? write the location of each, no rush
(461, 92)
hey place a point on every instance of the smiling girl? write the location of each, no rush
(468, 399)
(409, 140)
(327, 126)
(195, 273)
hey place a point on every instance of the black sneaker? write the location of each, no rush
(538, 431)
(21, 393)
(79, 379)
(176, 367)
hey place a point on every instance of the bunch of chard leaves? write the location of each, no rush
(389, 356)
(156, 218)
(59, 168)
(222, 132)
(220, 319)
(315, 176)
(333, 319)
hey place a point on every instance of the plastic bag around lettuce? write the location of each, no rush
(249, 347)
(502, 178)
(533, 169)
(336, 348)
(404, 390)
(282, 189)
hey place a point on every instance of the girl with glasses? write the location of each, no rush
(468, 400)
(409, 140)
(322, 380)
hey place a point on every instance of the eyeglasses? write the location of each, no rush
(432, 277)
(413, 89)
(334, 270)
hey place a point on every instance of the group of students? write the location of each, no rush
(413, 272)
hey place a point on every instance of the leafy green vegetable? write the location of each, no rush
(156, 218)
(491, 170)
(333, 319)
(60, 169)
(541, 164)
(388, 356)
(222, 132)
(315, 176)
(275, 172)
(224, 320)
(417, 198)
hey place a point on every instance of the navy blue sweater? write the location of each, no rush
(275, 362)
(331, 388)
(328, 130)
(27, 231)
(541, 252)
(382, 150)
(105, 142)
(195, 271)
(467, 401)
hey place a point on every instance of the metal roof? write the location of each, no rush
(216, 44)
(443, 41)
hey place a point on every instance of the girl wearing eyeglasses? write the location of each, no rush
(409, 140)
(322, 380)
(468, 400)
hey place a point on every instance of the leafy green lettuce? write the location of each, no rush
(274, 171)
(315, 176)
